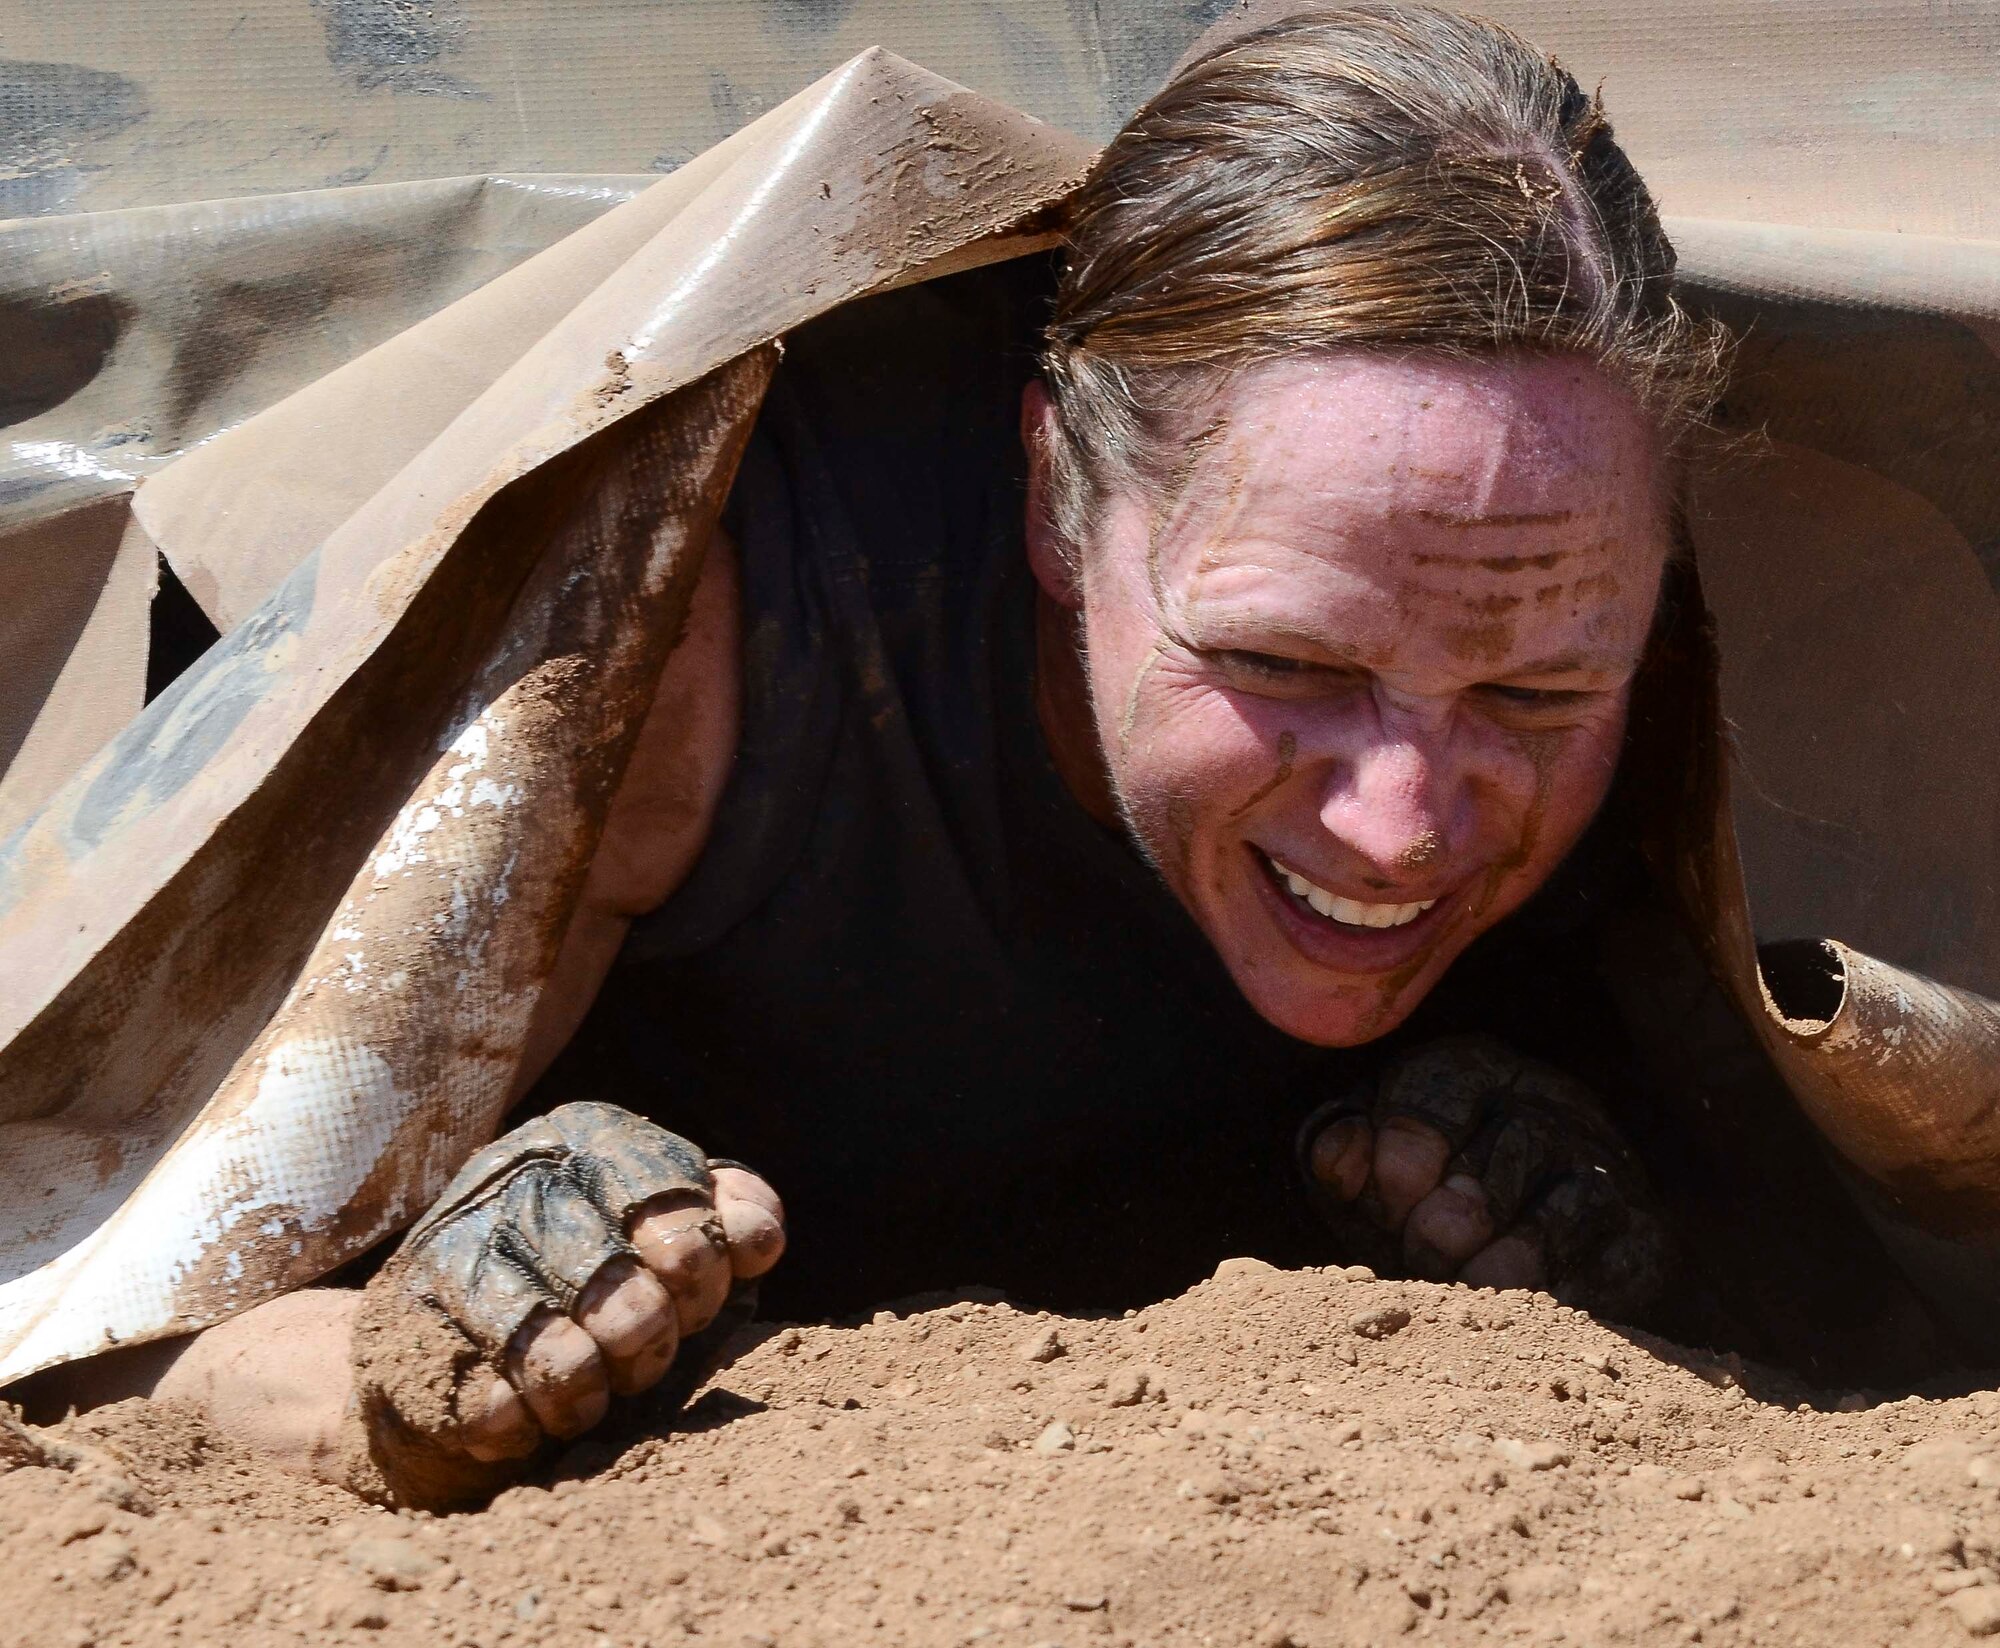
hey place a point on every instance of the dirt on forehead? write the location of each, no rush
(1309, 1457)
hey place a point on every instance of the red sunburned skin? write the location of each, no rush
(1374, 653)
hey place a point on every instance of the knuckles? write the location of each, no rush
(1465, 1160)
(575, 1254)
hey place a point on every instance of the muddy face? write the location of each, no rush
(1361, 682)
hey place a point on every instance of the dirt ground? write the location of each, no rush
(1316, 1458)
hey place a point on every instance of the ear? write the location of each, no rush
(1047, 553)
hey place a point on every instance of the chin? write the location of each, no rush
(1343, 1011)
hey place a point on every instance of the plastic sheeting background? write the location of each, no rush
(1831, 174)
(1842, 158)
(1794, 111)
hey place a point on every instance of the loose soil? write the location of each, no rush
(1311, 1457)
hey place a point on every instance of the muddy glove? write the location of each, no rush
(567, 1262)
(1466, 1161)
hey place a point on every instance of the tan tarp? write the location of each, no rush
(265, 959)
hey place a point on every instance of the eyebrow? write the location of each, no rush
(1218, 634)
(1568, 663)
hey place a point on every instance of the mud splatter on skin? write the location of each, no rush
(1128, 717)
(1541, 562)
(1599, 586)
(1487, 642)
(1451, 518)
(1180, 831)
(1288, 750)
(1420, 853)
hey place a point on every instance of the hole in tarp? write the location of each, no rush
(181, 632)
(1805, 978)
(53, 348)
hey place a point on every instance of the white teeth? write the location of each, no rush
(1347, 911)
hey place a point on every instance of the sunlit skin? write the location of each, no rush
(1385, 631)
(1385, 634)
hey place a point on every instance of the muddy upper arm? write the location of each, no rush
(662, 813)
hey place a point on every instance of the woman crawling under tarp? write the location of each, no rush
(1180, 747)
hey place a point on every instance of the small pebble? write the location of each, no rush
(109, 1558)
(1687, 1487)
(355, 1607)
(1057, 1438)
(1127, 1387)
(1978, 1610)
(1046, 1346)
(1539, 1582)
(705, 1530)
(1379, 1323)
(392, 1564)
(81, 1523)
(1530, 1456)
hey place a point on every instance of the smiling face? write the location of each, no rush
(1361, 682)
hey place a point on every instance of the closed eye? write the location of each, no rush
(1266, 663)
(1535, 699)
(1277, 674)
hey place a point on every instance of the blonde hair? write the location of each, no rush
(1389, 177)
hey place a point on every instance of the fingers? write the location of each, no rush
(1394, 1167)
(685, 1248)
(753, 1221)
(633, 1320)
(1341, 1156)
(494, 1422)
(1514, 1261)
(1447, 1228)
(1410, 1161)
(556, 1367)
(576, 1253)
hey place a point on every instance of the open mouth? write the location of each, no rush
(1347, 912)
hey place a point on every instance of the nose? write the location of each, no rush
(1390, 805)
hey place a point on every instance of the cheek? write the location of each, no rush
(1184, 753)
(1571, 774)
(1185, 733)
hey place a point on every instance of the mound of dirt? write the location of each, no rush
(1308, 1457)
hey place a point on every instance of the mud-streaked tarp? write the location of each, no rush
(438, 457)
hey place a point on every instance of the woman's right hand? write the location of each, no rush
(563, 1265)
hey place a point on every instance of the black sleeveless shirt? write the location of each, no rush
(960, 1025)
(965, 1029)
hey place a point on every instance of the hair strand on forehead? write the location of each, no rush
(1387, 176)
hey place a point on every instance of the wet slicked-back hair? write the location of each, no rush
(1386, 177)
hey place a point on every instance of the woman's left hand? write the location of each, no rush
(1465, 1161)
